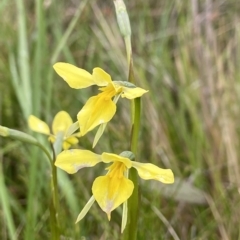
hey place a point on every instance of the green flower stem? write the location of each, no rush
(55, 231)
(54, 208)
(130, 232)
(54, 203)
(128, 45)
(23, 137)
(136, 125)
(131, 79)
(57, 148)
(46, 152)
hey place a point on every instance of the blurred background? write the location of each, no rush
(186, 53)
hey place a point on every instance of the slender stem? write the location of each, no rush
(54, 202)
(46, 152)
(136, 125)
(54, 181)
(130, 232)
(55, 230)
(127, 40)
(54, 223)
(57, 147)
(21, 136)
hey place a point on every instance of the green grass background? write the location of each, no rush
(186, 53)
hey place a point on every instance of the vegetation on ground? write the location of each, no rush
(186, 53)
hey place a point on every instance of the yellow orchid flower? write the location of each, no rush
(114, 188)
(101, 108)
(61, 124)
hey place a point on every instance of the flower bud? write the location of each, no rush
(122, 18)
(3, 131)
(18, 135)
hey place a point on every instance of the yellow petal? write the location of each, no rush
(74, 76)
(96, 111)
(61, 122)
(73, 160)
(69, 142)
(72, 140)
(111, 192)
(38, 125)
(110, 157)
(112, 89)
(131, 93)
(100, 77)
(149, 171)
(66, 145)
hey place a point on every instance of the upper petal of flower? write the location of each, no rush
(97, 110)
(61, 122)
(149, 171)
(110, 157)
(100, 77)
(73, 160)
(110, 192)
(74, 76)
(38, 125)
(131, 93)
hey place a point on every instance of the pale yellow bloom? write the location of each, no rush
(101, 108)
(114, 188)
(61, 124)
